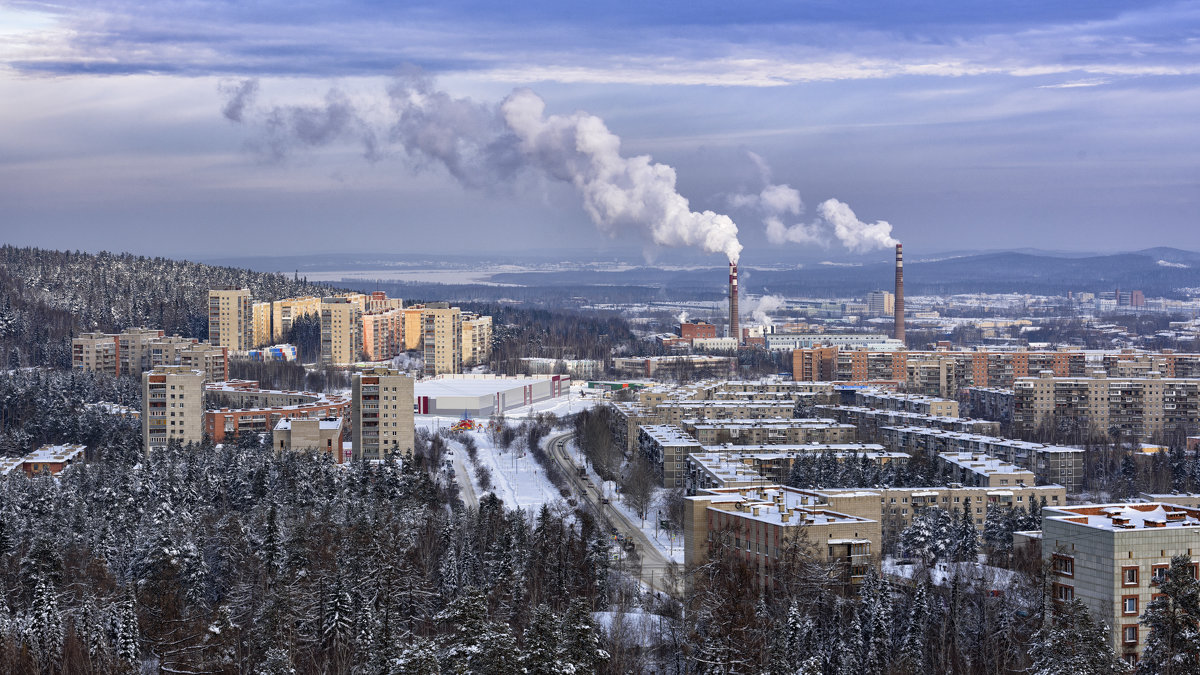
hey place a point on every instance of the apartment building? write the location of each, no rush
(341, 331)
(768, 431)
(869, 422)
(1132, 408)
(674, 412)
(285, 312)
(937, 373)
(1169, 363)
(881, 303)
(231, 318)
(666, 447)
(976, 470)
(96, 352)
(382, 333)
(759, 523)
(1111, 556)
(896, 507)
(441, 337)
(48, 459)
(136, 350)
(172, 406)
(731, 466)
(382, 414)
(913, 403)
(323, 435)
(989, 403)
(413, 328)
(1051, 463)
(476, 339)
(239, 406)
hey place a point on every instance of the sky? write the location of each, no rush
(204, 128)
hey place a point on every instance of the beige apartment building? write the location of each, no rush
(760, 523)
(476, 339)
(324, 435)
(412, 327)
(666, 447)
(442, 334)
(1134, 408)
(768, 431)
(261, 315)
(1111, 556)
(382, 333)
(284, 312)
(137, 350)
(341, 331)
(172, 406)
(382, 414)
(231, 318)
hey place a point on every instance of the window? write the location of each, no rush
(1158, 573)
(1064, 593)
(1129, 576)
(1064, 565)
(1129, 634)
(1129, 604)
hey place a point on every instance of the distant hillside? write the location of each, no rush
(48, 296)
(1157, 272)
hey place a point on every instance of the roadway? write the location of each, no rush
(653, 568)
(465, 485)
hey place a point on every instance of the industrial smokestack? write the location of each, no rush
(734, 331)
(900, 292)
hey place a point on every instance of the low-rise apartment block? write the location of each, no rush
(768, 431)
(1051, 463)
(1111, 556)
(896, 507)
(324, 435)
(666, 447)
(1132, 408)
(976, 470)
(762, 523)
(48, 459)
(870, 422)
(732, 466)
(241, 406)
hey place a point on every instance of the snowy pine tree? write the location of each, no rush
(1172, 618)
(1073, 643)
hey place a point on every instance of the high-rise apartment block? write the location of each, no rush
(476, 339)
(1112, 557)
(881, 303)
(172, 406)
(341, 331)
(383, 333)
(231, 318)
(382, 414)
(441, 329)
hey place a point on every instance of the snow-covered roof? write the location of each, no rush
(1127, 516)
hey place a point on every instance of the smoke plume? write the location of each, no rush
(240, 96)
(834, 218)
(766, 304)
(484, 145)
(683, 317)
(854, 233)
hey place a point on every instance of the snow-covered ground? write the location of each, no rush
(516, 477)
(669, 546)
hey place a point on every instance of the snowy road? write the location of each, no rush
(465, 484)
(653, 563)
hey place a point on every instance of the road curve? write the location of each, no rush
(653, 563)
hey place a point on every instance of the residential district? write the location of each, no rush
(887, 467)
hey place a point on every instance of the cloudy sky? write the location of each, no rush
(214, 127)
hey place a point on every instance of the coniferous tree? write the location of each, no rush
(1172, 619)
(1073, 643)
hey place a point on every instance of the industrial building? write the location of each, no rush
(486, 395)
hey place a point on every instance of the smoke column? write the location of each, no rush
(484, 146)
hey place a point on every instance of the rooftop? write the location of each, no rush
(1126, 516)
(774, 504)
(444, 385)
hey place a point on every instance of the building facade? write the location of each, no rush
(442, 335)
(172, 406)
(231, 318)
(382, 414)
(341, 331)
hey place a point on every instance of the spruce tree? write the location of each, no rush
(1073, 643)
(1173, 643)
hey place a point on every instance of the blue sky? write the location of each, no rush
(963, 125)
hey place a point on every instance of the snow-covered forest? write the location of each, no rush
(49, 296)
